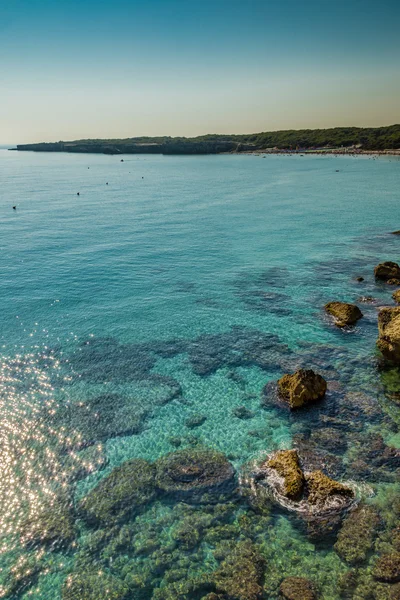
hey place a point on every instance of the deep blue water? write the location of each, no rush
(233, 258)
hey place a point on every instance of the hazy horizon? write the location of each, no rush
(74, 70)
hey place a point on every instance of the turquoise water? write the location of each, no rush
(174, 289)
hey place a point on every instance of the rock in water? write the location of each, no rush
(387, 270)
(195, 475)
(302, 388)
(343, 313)
(125, 490)
(396, 296)
(297, 588)
(240, 575)
(321, 488)
(357, 535)
(389, 334)
(286, 464)
(387, 568)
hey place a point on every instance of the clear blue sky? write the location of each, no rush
(118, 68)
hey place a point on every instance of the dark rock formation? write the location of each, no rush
(122, 493)
(389, 334)
(357, 534)
(343, 313)
(297, 588)
(302, 388)
(100, 418)
(195, 475)
(387, 270)
(286, 464)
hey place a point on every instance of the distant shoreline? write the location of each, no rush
(339, 140)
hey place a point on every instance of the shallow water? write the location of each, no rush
(146, 315)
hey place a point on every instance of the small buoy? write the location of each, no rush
(78, 194)
(337, 170)
(142, 177)
(106, 182)
(122, 160)
(14, 208)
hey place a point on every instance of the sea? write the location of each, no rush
(148, 305)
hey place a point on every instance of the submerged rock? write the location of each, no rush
(387, 568)
(241, 574)
(195, 421)
(302, 388)
(241, 412)
(195, 475)
(53, 524)
(286, 464)
(356, 537)
(387, 270)
(389, 334)
(322, 488)
(94, 586)
(100, 418)
(297, 588)
(122, 493)
(343, 313)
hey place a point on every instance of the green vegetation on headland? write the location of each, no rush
(368, 139)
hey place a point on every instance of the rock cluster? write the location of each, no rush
(314, 492)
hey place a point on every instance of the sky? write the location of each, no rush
(72, 69)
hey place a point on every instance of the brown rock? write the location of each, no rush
(393, 281)
(302, 388)
(297, 588)
(321, 488)
(396, 296)
(286, 464)
(389, 334)
(343, 313)
(387, 271)
(387, 568)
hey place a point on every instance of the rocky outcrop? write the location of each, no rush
(286, 464)
(302, 388)
(297, 588)
(396, 296)
(343, 313)
(387, 271)
(309, 493)
(387, 568)
(389, 334)
(321, 489)
(195, 475)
